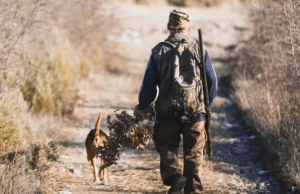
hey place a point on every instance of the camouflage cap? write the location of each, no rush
(178, 19)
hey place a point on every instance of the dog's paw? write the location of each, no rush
(105, 182)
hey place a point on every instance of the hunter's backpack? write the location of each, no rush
(181, 87)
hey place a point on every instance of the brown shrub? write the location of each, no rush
(25, 160)
(208, 3)
(267, 81)
(46, 47)
(27, 171)
(10, 138)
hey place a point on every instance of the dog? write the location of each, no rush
(95, 141)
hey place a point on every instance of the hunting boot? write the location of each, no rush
(178, 184)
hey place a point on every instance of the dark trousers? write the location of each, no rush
(167, 138)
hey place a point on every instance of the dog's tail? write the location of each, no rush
(97, 127)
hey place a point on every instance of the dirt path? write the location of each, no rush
(234, 168)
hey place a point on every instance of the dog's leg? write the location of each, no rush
(94, 168)
(101, 173)
(92, 165)
(105, 180)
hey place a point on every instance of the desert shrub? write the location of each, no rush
(184, 3)
(141, 1)
(267, 82)
(211, 3)
(113, 64)
(9, 134)
(25, 159)
(49, 90)
(40, 154)
(28, 171)
(15, 126)
(178, 2)
(46, 48)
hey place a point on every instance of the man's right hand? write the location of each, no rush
(142, 113)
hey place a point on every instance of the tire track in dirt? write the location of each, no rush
(234, 168)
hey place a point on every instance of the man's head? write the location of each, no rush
(179, 21)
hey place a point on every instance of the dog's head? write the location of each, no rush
(100, 141)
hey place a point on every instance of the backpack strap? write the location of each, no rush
(170, 44)
(174, 49)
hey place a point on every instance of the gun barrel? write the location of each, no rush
(206, 96)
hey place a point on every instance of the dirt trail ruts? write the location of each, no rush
(234, 168)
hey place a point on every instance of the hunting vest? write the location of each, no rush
(180, 80)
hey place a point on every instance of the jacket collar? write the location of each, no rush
(177, 36)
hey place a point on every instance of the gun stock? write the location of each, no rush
(206, 97)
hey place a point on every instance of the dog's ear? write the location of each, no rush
(97, 127)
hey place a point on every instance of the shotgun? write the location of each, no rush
(206, 96)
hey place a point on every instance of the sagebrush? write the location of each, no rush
(46, 48)
(267, 79)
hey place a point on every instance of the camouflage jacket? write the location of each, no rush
(152, 77)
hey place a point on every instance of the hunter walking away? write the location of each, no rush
(149, 96)
(187, 84)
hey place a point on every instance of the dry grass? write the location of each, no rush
(184, 3)
(27, 171)
(26, 150)
(267, 82)
(46, 48)
(10, 137)
(199, 3)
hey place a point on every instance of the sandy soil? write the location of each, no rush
(234, 168)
